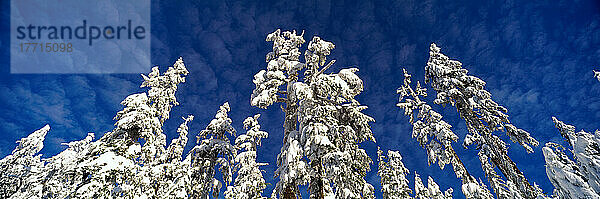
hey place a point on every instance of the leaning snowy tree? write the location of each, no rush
(483, 118)
(436, 137)
(579, 179)
(323, 122)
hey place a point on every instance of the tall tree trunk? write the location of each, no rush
(289, 192)
(289, 125)
(316, 182)
(507, 167)
(459, 166)
(497, 154)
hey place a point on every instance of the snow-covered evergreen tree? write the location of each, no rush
(128, 162)
(23, 162)
(144, 114)
(249, 182)
(483, 117)
(175, 150)
(432, 191)
(173, 172)
(436, 137)
(61, 173)
(394, 184)
(332, 125)
(565, 175)
(330, 120)
(580, 179)
(282, 71)
(213, 149)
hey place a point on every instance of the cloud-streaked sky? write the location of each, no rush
(537, 58)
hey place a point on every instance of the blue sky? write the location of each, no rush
(537, 58)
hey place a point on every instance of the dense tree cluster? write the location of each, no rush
(133, 161)
(324, 126)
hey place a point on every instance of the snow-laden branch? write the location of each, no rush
(579, 179)
(435, 136)
(483, 117)
(323, 122)
(249, 183)
(394, 184)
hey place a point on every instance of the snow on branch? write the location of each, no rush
(22, 163)
(454, 86)
(249, 182)
(435, 135)
(579, 179)
(482, 115)
(323, 122)
(213, 149)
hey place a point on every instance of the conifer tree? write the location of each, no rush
(394, 184)
(249, 182)
(574, 179)
(22, 163)
(483, 117)
(323, 122)
(213, 149)
(432, 191)
(435, 136)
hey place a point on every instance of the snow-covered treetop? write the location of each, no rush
(316, 56)
(285, 45)
(163, 87)
(432, 191)
(213, 149)
(249, 182)
(566, 176)
(564, 129)
(144, 113)
(283, 66)
(220, 125)
(177, 146)
(392, 172)
(454, 86)
(32, 144)
(580, 179)
(253, 136)
(394, 184)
